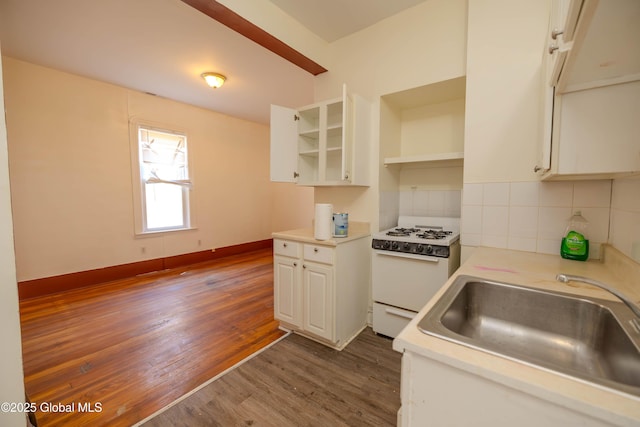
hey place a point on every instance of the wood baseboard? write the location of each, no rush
(65, 282)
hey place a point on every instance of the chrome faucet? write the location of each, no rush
(566, 278)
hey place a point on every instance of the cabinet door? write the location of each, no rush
(318, 300)
(287, 290)
(284, 135)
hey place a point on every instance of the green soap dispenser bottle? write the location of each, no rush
(575, 243)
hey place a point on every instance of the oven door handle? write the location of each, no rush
(406, 255)
(400, 313)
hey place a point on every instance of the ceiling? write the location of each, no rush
(162, 47)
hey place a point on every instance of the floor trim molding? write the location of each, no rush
(65, 282)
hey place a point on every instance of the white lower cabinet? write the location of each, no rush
(434, 393)
(322, 291)
(318, 289)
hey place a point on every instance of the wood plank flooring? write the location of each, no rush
(298, 382)
(128, 348)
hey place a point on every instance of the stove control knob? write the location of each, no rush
(386, 244)
(429, 249)
(394, 245)
(420, 248)
(406, 246)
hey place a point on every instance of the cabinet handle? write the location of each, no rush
(553, 48)
(295, 174)
(537, 168)
(555, 33)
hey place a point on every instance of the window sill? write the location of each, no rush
(142, 234)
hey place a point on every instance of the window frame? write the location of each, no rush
(138, 182)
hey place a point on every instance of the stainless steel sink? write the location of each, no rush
(591, 339)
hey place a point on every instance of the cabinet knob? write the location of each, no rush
(304, 266)
(295, 174)
(284, 244)
(315, 250)
(295, 264)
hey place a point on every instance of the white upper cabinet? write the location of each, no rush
(591, 91)
(323, 144)
(601, 40)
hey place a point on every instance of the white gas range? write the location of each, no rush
(410, 264)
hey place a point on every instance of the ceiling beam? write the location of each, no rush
(229, 18)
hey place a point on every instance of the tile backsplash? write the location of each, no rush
(529, 216)
(625, 217)
(418, 202)
(532, 216)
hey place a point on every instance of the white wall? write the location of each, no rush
(71, 181)
(11, 385)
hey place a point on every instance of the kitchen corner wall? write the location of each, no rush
(624, 233)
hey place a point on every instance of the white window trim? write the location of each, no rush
(137, 182)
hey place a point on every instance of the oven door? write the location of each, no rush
(406, 280)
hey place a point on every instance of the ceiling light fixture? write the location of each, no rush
(214, 80)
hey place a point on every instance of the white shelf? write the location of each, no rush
(455, 158)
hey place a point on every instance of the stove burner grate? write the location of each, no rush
(434, 234)
(401, 231)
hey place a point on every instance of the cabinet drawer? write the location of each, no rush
(318, 253)
(286, 248)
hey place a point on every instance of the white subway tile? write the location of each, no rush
(495, 220)
(592, 194)
(436, 203)
(549, 246)
(471, 221)
(494, 241)
(522, 244)
(523, 221)
(626, 194)
(421, 202)
(552, 222)
(452, 203)
(406, 203)
(598, 218)
(524, 194)
(472, 194)
(470, 239)
(556, 194)
(496, 194)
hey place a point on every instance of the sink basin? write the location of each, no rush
(586, 338)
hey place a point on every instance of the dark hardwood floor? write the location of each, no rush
(128, 348)
(298, 382)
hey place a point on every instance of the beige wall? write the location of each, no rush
(11, 386)
(71, 175)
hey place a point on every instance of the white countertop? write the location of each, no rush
(536, 270)
(357, 230)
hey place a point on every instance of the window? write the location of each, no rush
(162, 201)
